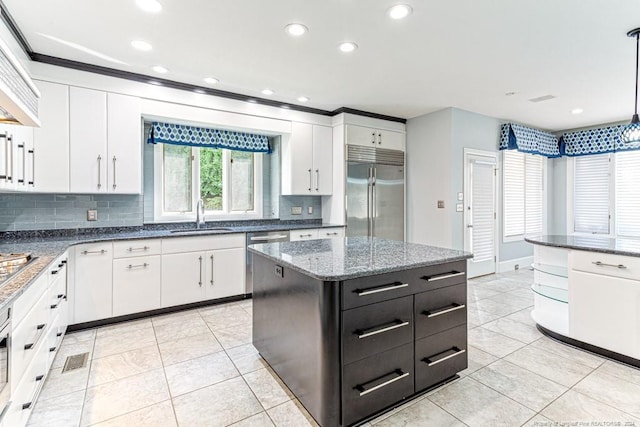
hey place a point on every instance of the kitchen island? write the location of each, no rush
(355, 326)
(587, 293)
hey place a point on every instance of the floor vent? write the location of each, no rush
(76, 361)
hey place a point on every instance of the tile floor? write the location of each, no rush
(198, 368)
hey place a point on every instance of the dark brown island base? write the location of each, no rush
(356, 326)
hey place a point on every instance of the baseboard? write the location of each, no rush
(510, 265)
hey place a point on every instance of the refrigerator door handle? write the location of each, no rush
(369, 202)
(373, 201)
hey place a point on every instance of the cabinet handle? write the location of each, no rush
(434, 360)
(54, 306)
(10, 157)
(373, 137)
(383, 288)
(114, 172)
(39, 379)
(99, 172)
(396, 375)
(445, 310)
(306, 235)
(41, 328)
(24, 164)
(132, 266)
(6, 156)
(379, 138)
(310, 180)
(101, 251)
(379, 330)
(211, 281)
(602, 264)
(443, 276)
(278, 236)
(317, 179)
(132, 249)
(331, 234)
(33, 166)
(59, 334)
(200, 281)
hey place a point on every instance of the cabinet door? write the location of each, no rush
(51, 139)
(358, 135)
(124, 143)
(322, 160)
(307, 234)
(93, 293)
(183, 278)
(297, 161)
(136, 284)
(390, 140)
(329, 233)
(225, 273)
(605, 311)
(10, 160)
(87, 140)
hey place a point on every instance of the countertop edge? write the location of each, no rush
(586, 248)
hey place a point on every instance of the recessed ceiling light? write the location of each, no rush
(159, 69)
(577, 111)
(296, 30)
(155, 82)
(303, 99)
(152, 6)
(347, 47)
(199, 91)
(400, 11)
(141, 45)
(286, 107)
(211, 80)
(267, 92)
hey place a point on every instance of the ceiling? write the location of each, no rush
(448, 53)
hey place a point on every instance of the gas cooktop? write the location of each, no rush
(10, 264)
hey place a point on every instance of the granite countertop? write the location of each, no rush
(351, 257)
(50, 244)
(608, 245)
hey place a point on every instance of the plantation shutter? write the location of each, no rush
(591, 194)
(533, 194)
(628, 193)
(482, 211)
(514, 193)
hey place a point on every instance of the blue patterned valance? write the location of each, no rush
(528, 140)
(594, 141)
(170, 133)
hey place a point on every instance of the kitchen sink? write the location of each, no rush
(204, 230)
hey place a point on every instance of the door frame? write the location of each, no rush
(491, 156)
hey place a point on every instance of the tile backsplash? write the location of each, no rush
(60, 211)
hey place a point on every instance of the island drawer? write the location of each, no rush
(439, 276)
(440, 356)
(373, 289)
(376, 327)
(376, 382)
(440, 309)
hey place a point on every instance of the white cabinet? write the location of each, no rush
(105, 142)
(370, 137)
(136, 284)
(93, 293)
(16, 158)
(316, 233)
(307, 160)
(330, 232)
(183, 277)
(51, 139)
(225, 273)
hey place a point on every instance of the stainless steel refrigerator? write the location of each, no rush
(375, 192)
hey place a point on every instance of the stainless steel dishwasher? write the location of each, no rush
(261, 237)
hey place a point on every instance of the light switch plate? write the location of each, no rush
(440, 204)
(296, 210)
(460, 197)
(459, 207)
(92, 214)
(310, 210)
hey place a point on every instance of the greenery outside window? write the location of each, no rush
(227, 181)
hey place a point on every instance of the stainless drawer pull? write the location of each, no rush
(375, 331)
(279, 236)
(131, 266)
(306, 235)
(445, 310)
(383, 288)
(602, 264)
(51, 349)
(40, 328)
(144, 248)
(102, 251)
(396, 375)
(27, 405)
(430, 360)
(443, 276)
(332, 234)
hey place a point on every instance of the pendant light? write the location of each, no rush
(631, 132)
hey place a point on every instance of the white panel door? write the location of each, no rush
(358, 135)
(93, 291)
(301, 158)
(51, 139)
(183, 278)
(124, 142)
(136, 284)
(87, 140)
(322, 160)
(479, 215)
(225, 273)
(390, 140)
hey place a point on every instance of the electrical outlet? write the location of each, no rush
(296, 210)
(92, 214)
(516, 267)
(440, 204)
(310, 210)
(279, 271)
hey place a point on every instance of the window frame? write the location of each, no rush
(159, 215)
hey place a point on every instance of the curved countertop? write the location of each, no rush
(48, 245)
(609, 245)
(351, 257)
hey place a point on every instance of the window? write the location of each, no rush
(523, 192)
(606, 194)
(225, 180)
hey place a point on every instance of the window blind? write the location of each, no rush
(627, 167)
(533, 194)
(591, 194)
(514, 193)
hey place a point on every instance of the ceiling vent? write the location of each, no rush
(542, 98)
(18, 95)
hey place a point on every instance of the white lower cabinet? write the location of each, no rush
(136, 284)
(182, 278)
(93, 292)
(316, 233)
(225, 273)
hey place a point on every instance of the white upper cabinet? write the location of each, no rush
(51, 139)
(105, 142)
(16, 157)
(370, 137)
(124, 147)
(307, 160)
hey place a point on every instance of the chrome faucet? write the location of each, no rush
(199, 213)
